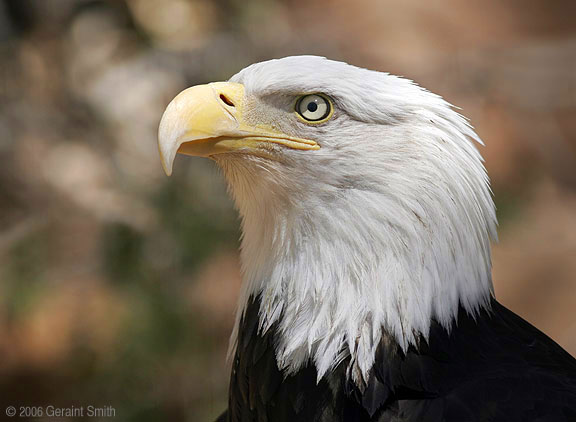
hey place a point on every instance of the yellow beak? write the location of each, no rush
(206, 120)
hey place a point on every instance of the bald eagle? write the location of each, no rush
(367, 218)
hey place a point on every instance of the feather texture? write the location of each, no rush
(491, 367)
(384, 229)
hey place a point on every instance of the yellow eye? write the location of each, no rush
(313, 107)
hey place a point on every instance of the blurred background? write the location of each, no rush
(118, 285)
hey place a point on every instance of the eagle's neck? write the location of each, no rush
(338, 275)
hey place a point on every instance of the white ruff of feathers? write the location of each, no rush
(384, 229)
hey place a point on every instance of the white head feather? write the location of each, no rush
(384, 229)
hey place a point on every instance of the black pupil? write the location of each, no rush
(312, 107)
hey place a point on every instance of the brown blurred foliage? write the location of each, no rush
(118, 286)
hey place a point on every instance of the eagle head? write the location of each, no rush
(366, 209)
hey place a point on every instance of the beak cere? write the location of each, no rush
(196, 118)
(206, 120)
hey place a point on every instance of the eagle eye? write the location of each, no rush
(314, 107)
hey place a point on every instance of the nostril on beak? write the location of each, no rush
(226, 100)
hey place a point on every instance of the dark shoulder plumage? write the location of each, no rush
(492, 367)
(495, 367)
